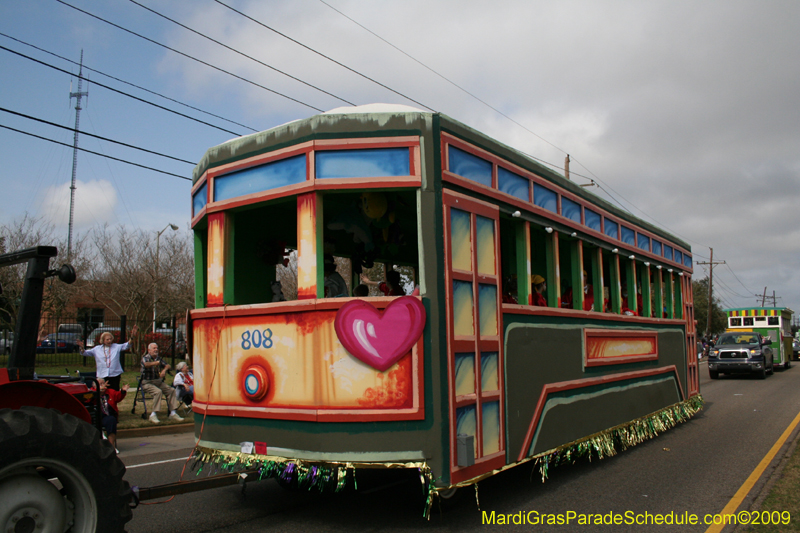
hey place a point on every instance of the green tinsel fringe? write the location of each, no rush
(294, 474)
(611, 441)
(334, 477)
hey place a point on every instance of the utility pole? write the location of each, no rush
(764, 298)
(72, 187)
(711, 264)
(566, 167)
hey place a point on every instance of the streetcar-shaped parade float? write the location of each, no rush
(458, 375)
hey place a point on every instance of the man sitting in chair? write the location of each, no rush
(184, 383)
(153, 371)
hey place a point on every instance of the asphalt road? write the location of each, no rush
(695, 468)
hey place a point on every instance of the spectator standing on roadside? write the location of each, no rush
(107, 357)
(153, 371)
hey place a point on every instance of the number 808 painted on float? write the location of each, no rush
(256, 339)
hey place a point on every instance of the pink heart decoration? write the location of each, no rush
(380, 339)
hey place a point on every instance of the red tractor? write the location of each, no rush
(56, 471)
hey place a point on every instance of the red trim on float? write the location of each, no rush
(481, 466)
(291, 306)
(517, 309)
(261, 196)
(199, 183)
(260, 159)
(475, 343)
(381, 182)
(407, 141)
(590, 336)
(199, 217)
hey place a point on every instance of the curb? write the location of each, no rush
(155, 430)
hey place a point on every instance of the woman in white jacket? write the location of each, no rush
(184, 383)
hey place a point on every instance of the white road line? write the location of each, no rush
(155, 463)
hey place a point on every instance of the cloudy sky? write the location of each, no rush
(685, 112)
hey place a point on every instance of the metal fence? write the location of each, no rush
(57, 346)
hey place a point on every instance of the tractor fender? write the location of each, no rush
(16, 394)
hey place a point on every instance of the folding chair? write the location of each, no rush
(136, 397)
(181, 393)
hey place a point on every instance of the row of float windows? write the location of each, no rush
(389, 162)
(472, 167)
(754, 321)
(608, 282)
(357, 163)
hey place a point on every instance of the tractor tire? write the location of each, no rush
(57, 474)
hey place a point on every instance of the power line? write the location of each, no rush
(518, 124)
(120, 92)
(118, 184)
(737, 278)
(93, 135)
(451, 82)
(191, 57)
(241, 53)
(733, 292)
(96, 153)
(323, 55)
(129, 83)
(343, 66)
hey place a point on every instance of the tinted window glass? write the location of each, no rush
(200, 199)
(570, 209)
(592, 219)
(545, 198)
(261, 178)
(643, 242)
(656, 247)
(668, 252)
(611, 229)
(469, 166)
(512, 184)
(367, 163)
(628, 236)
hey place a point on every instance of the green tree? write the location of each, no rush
(719, 320)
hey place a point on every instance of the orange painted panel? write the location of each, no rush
(292, 365)
(216, 259)
(307, 246)
(616, 346)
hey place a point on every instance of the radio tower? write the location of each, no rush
(72, 187)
